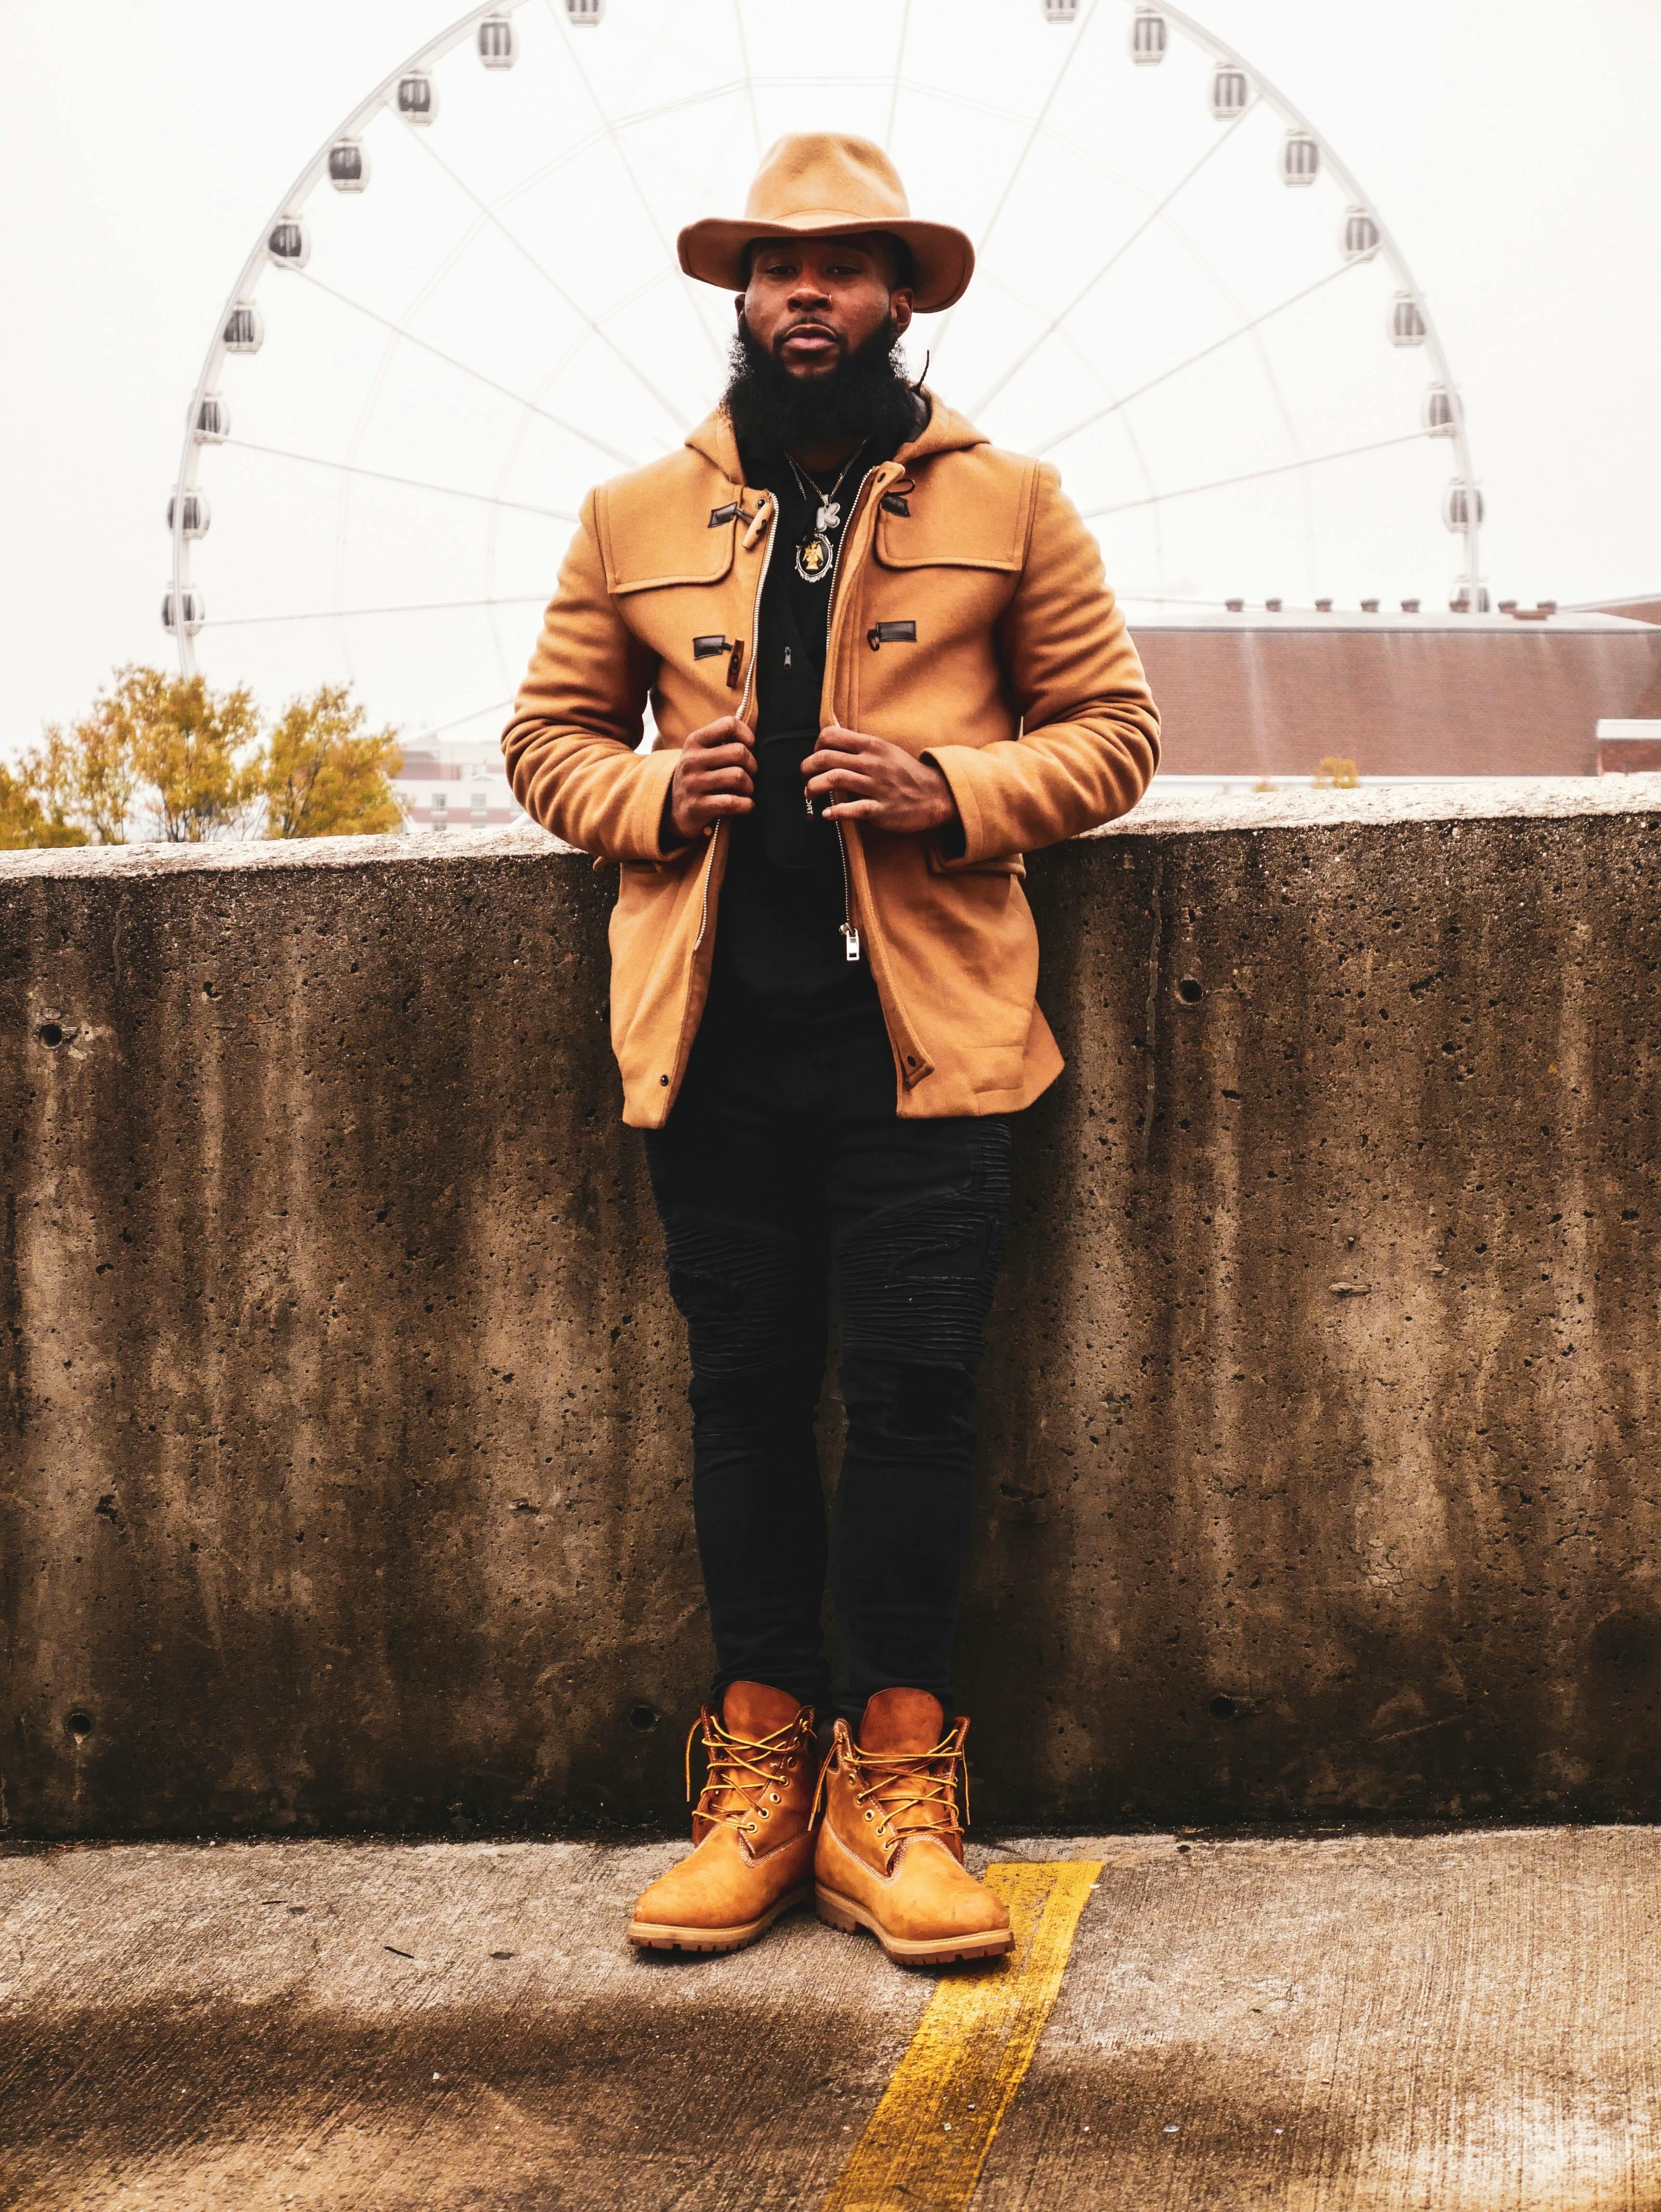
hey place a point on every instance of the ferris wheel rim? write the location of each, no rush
(746, 83)
(259, 259)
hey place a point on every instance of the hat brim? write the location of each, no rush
(713, 250)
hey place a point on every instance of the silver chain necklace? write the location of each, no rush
(813, 553)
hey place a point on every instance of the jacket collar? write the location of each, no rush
(944, 432)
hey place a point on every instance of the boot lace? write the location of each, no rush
(741, 1788)
(907, 1793)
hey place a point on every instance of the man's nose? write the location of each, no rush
(807, 292)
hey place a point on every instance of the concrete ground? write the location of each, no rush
(1453, 2022)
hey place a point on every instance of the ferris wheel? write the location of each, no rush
(467, 309)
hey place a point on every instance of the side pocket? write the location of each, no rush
(1006, 864)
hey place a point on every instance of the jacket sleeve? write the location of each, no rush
(1090, 735)
(578, 715)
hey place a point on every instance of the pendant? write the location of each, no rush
(829, 516)
(813, 558)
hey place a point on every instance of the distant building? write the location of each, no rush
(1253, 694)
(1250, 693)
(456, 783)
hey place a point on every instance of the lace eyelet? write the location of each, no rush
(870, 1816)
(765, 1815)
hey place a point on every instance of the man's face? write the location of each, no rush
(812, 301)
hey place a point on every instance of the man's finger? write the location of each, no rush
(823, 761)
(851, 809)
(851, 740)
(837, 782)
(727, 731)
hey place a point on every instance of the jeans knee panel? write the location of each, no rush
(918, 1278)
(741, 1290)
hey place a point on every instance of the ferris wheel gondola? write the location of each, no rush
(486, 316)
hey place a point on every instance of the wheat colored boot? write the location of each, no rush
(752, 1833)
(890, 1853)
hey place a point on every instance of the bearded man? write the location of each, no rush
(883, 664)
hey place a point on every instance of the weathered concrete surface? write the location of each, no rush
(1455, 2022)
(343, 1479)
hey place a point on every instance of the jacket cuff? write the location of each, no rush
(958, 765)
(644, 828)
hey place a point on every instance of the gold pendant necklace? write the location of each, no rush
(815, 555)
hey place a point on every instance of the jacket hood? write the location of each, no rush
(944, 432)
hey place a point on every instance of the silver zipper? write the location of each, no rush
(749, 686)
(850, 936)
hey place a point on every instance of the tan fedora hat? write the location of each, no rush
(821, 184)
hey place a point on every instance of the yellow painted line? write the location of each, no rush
(928, 2140)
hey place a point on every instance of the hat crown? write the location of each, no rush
(823, 173)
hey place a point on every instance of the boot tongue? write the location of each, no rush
(752, 1711)
(902, 1720)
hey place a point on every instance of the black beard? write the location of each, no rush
(866, 396)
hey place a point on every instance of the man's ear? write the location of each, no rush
(738, 307)
(899, 306)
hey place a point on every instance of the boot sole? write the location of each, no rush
(839, 1911)
(661, 1936)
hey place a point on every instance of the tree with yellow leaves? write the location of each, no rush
(24, 821)
(189, 763)
(325, 775)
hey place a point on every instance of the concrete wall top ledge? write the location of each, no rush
(1160, 814)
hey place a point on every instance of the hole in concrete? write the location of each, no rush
(78, 1722)
(643, 1717)
(1224, 1708)
(1190, 990)
(51, 1035)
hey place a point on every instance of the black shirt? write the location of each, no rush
(782, 976)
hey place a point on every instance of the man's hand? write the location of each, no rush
(715, 774)
(868, 779)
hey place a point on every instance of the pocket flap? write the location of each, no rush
(972, 515)
(655, 533)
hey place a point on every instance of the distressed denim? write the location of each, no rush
(773, 1175)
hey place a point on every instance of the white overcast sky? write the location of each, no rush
(1512, 145)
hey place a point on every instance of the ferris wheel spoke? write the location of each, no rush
(894, 88)
(1074, 46)
(614, 138)
(1257, 476)
(465, 368)
(461, 721)
(595, 327)
(386, 476)
(1113, 260)
(748, 80)
(1217, 345)
(359, 614)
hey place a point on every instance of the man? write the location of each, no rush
(883, 664)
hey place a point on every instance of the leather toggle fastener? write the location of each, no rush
(719, 514)
(735, 664)
(893, 502)
(893, 633)
(706, 648)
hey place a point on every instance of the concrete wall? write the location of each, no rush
(343, 1481)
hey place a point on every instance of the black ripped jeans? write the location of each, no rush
(779, 1168)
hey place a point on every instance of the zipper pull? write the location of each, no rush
(851, 938)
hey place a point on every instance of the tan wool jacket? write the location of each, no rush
(969, 623)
